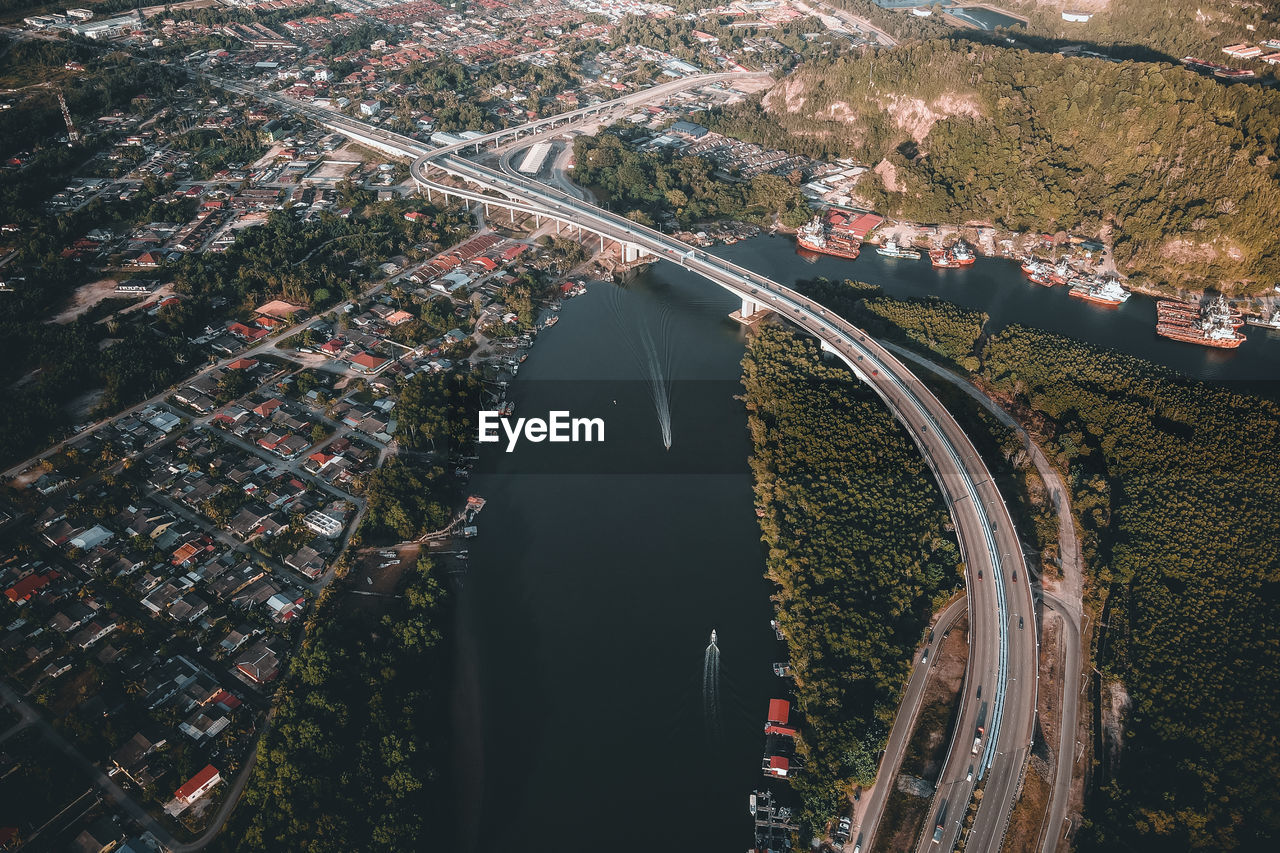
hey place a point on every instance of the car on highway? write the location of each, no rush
(979, 574)
(969, 777)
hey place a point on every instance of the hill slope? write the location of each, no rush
(1180, 169)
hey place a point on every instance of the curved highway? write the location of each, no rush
(1000, 688)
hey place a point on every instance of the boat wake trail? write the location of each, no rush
(653, 353)
(711, 688)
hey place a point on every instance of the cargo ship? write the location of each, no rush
(1214, 325)
(1108, 292)
(891, 249)
(818, 237)
(957, 255)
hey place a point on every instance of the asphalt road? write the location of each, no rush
(870, 806)
(1067, 600)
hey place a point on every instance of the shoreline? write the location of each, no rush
(988, 241)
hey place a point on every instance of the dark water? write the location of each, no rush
(600, 570)
(591, 596)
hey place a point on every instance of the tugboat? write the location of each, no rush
(1062, 273)
(891, 249)
(817, 237)
(958, 255)
(962, 253)
(1038, 271)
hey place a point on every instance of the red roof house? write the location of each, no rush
(365, 363)
(779, 711)
(778, 766)
(29, 586)
(198, 785)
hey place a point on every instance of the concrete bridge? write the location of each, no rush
(1000, 686)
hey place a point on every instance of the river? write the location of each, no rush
(596, 579)
(601, 569)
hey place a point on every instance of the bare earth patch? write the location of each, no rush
(888, 176)
(918, 118)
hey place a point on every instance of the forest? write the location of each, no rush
(354, 758)
(859, 545)
(1171, 28)
(646, 186)
(1176, 487)
(1178, 171)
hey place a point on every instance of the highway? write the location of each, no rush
(868, 809)
(1000, 692)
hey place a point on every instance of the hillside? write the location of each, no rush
(1174, 28)
(1180, 170)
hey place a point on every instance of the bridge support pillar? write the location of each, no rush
(751, 312)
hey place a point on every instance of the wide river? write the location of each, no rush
(601, 569)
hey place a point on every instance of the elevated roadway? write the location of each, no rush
(1000, 688)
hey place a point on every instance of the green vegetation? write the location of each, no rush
(1179, 171)
(353, 758)
(1176, 486)
(1174, 27)
(859, 546)
(287, 258)
(651, 185)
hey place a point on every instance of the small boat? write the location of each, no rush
(777, 629)
(551, 321)
(781, 670)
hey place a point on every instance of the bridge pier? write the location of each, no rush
(750, 313)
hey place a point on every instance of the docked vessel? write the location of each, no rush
(1062, 273)
(891, 249)
(1108, 292)
(1213, 325)
(817, 236)
(1272, 322)
(1038, 271)
(959, 254)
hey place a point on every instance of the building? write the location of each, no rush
(777, 766)
(1075, 16)
(779, 711)
(368, 109)
(198, 785)
(324, 525)
(1243, 51)
(108, 27)
(368, 364)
